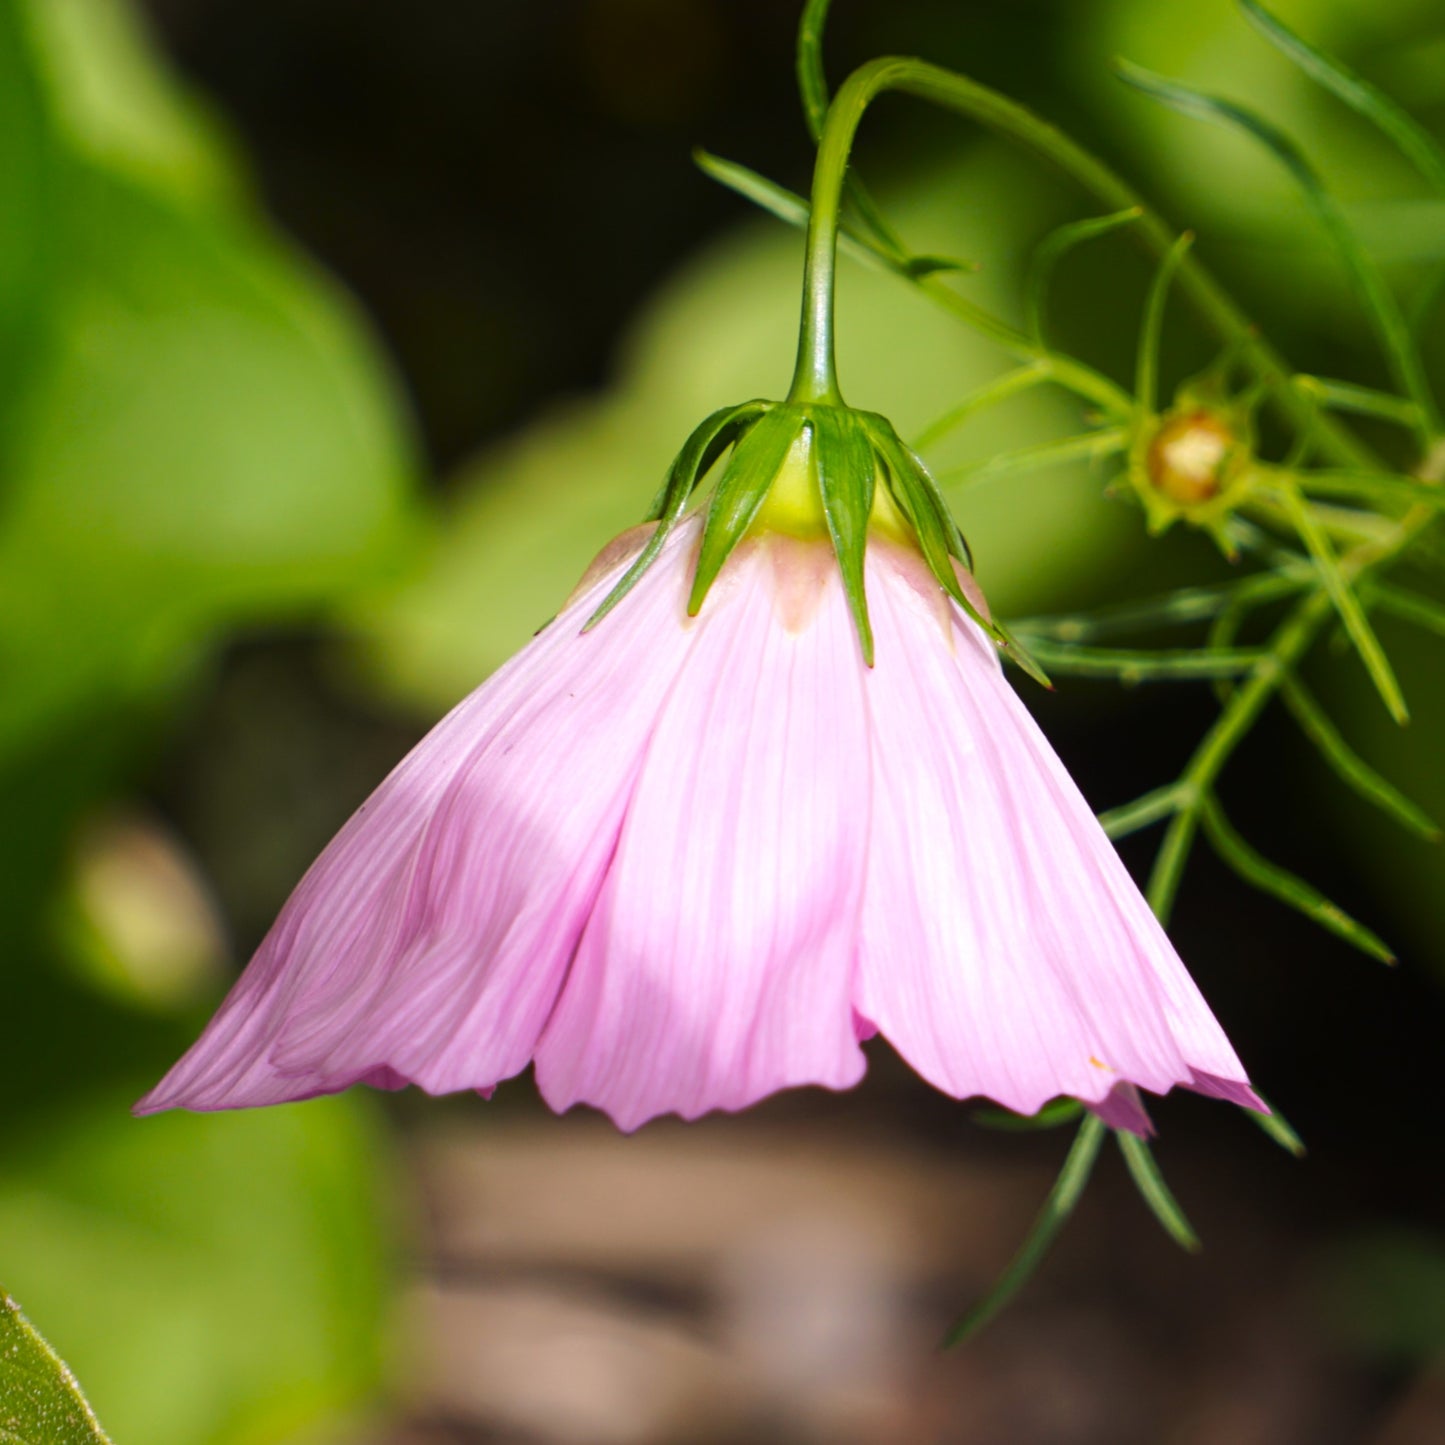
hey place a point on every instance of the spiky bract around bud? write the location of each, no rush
(1195, 463)
(807, 470)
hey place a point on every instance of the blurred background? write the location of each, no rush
(334, 339)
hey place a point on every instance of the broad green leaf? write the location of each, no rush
(217, 1279)
(113, 105)
(198, 432)
(40, 1399)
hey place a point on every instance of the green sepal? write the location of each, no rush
(844, 464)
(918, 496)
(756, 461)
(724, 428)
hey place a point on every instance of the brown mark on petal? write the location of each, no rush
(803, 570)
(621, 549)
(905, 563)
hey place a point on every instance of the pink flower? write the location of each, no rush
(680, 862)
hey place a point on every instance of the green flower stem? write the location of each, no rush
(815, 378)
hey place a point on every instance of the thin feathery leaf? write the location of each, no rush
(1412, 140)
(1360, 400)
(1053, 248)
(1143, 812)
(1316, 725)
(789, 206)
(1357, 625)
(1379, 303)
(1374, 487)
(1129, 666)
(1407, 605)
(1149, 1181)
(1151, 332)
(989, 394)
(1105, 442)
(1279, 883)
(1277, 1127)
(1050, 1220)
(1179, 608)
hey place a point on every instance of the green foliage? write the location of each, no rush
(1051, 1218)
(196, 435)
(195, 431)
(40, 1400)
(215, 1278)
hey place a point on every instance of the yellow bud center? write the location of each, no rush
(1190, 456)
(794, 503)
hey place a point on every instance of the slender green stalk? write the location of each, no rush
(1050, 1220)
(815, 376)
(1131, 817)
(1105, 442)
(1130, 665)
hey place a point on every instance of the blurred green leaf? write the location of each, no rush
(40, 1400)
(218, 1279)
(1383, 1292)
(1375, 296)
(199, 432)
(1413, 141)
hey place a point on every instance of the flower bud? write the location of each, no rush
(1191, 456)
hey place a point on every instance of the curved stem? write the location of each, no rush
(815, 376)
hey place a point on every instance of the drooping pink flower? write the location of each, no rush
(681, 862)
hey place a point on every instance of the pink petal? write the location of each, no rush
(429, 940)
(1005, 950)
(717, 964)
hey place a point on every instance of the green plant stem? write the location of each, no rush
(815, 376)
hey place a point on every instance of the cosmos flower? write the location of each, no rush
(703, 850)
